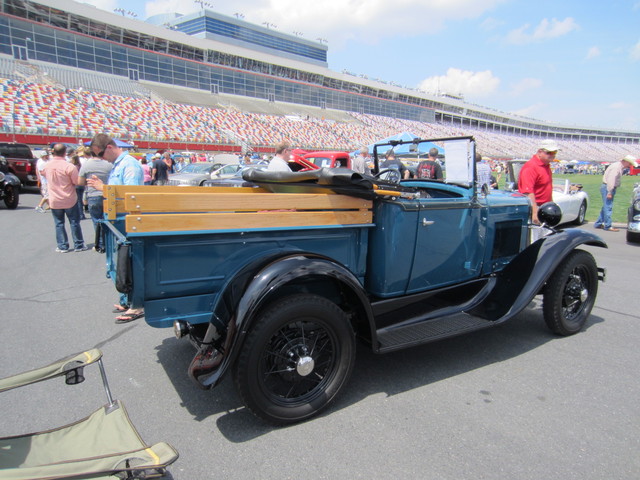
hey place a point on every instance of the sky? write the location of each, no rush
(574, 62)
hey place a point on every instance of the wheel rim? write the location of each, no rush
(576, 293)
(10, 194)
(298, 362)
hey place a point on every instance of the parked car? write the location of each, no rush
(234, 180)
(9, 185)
(225, 171)
(21, 161)
(572, 200)
(633, 217)
(328, 159)
(194, 174)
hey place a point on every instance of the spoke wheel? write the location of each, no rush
(570, 293)
(296, 359)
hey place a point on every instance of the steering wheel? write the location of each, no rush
(390, 175)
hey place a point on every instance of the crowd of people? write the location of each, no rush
(46, 109)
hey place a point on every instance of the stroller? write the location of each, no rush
(103, 445)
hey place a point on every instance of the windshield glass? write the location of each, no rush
(197, 168)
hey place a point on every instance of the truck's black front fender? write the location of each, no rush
(524, 277)
(263, 287)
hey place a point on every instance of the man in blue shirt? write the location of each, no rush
(126, 171)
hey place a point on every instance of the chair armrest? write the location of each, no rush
(56, 369)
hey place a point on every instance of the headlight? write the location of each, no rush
(636, 204)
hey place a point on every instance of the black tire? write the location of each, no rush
(581, 214)
(570, 293)
(633, 237)
(295, 359)
(11, 197)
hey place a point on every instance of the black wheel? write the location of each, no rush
(296, 359)
(570, 293)
(633, 237)
(581, 214)
(11, 197)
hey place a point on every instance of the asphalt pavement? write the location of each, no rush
(511, 402)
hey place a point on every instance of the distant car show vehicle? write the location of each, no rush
(21, 162)
(570, 197)
(633, 217)
(9, 185)
(328, 159)
(234, 180)
(194, 174)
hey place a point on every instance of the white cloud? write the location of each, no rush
(635, 52)
(456, 81)
(546, 29)
(525, 85)
(593, 52)
(489, 24)
(367, 20)
(619, 105)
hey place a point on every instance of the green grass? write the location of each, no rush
(591, 185)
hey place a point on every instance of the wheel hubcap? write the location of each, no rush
(298, 361)
(305, 366)
(576, 293)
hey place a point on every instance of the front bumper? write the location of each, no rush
(634, 227)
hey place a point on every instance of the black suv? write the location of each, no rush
(21, 161)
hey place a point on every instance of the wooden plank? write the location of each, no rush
(243, 221)
(114, 194)
(211, 201)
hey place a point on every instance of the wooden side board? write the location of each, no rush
(167, 209)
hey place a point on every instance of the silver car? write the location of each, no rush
(194, 174)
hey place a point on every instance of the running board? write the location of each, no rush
(394, 338)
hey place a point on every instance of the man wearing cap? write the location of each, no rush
(610, 182)
(535, 180)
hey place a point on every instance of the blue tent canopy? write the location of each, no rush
(406, 149)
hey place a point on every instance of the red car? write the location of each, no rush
(328, 159)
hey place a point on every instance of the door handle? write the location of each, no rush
(426, 223)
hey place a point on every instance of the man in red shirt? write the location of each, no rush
(535, 179)
(62, 178)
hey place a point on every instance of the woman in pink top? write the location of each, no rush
(146, 169)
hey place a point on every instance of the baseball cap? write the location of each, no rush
(632, 160)
(548, 145)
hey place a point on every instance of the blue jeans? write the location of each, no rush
(74, 222)
(604, 218)
(80, 194)
(97, 213)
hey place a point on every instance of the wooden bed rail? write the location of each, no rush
(167, 209)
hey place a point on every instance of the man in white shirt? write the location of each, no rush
(610, 183)
(280, 163)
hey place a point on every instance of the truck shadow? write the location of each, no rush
(392, 373)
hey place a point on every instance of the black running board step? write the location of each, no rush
(391, 338)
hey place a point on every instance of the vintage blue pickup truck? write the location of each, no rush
(275, 283)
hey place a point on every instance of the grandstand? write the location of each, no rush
(68, 70)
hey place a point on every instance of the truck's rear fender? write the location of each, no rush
(523, 278)
(300, 272)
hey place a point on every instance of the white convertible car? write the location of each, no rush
(570, 197)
